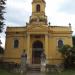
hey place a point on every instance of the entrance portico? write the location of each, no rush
(35, 47)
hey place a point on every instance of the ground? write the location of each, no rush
(66, 72)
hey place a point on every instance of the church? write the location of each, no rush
(37, 36)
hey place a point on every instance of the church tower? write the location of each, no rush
(38, 12)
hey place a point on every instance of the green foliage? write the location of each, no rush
(2, 11)
(65, 49)
(1, 50)
(4, 72)
(73, 40)
(68, 53)
(65, 72)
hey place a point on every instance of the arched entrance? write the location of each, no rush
(37, 48)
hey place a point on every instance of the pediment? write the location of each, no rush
(37, 28)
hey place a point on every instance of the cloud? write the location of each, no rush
(19, 4)
(59, 12)
(17, 12)
(17, 17)
(68, 7)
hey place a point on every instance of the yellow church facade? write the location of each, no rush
(37, 36)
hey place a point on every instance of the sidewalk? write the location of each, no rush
(35, 73)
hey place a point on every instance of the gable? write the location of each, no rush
(37, 28)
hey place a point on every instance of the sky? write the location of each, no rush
(59, 13)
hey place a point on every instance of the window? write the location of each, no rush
(38, 8)
(60, 43)
(16, 43)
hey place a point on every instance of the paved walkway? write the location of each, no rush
(35, 73)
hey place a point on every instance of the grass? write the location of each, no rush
(4, 72)
(66, 72)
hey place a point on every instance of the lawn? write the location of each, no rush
(66, 72)
(3, 72)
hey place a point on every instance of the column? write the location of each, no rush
(46, 46)
(28, 48)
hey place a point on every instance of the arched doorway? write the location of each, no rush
(37, 48)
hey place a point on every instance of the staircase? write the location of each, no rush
(35, 67)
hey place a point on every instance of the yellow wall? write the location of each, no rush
(41, 4)
(15, 53)
(10, 51)
(54, 34)
(53, 46)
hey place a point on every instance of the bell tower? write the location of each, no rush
(38, 12)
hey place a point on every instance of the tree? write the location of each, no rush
(73, 40)
(65, 49)
(73, 54)
(1, 50)
(2, 8)
(68, 53)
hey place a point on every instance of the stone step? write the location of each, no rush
(35, 67)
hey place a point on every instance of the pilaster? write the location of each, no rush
(46, 45)
(28, 48)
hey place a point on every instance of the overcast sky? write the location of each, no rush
(59, 12)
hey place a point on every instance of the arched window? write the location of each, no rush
(38, 8)
(16, 43)
(60, 43)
